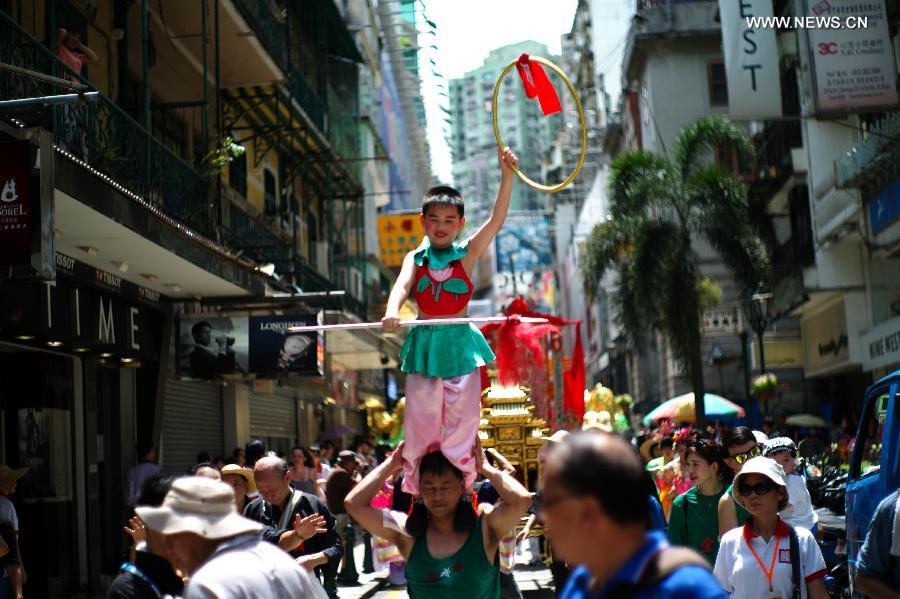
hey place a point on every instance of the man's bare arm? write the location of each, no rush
(359, 500)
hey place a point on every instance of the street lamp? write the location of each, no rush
(758, 311)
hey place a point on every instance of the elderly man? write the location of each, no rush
(594, 496)
(449, 550)
(298, 522)
(220, 550)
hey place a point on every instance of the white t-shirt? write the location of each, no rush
(246, 567)
(800, 513)
(8, 512)
(741, 575)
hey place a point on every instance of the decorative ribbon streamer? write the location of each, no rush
(538, 85)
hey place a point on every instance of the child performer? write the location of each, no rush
(443, 384)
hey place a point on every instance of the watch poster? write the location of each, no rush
(274, 350)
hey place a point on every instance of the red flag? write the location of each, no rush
(538, 85)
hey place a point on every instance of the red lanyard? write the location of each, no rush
(771, 569)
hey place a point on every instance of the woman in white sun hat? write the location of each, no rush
(767, 558)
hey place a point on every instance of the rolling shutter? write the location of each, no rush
(192, 422)
(273, 415)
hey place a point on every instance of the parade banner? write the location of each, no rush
(751, 61)
(853, 66)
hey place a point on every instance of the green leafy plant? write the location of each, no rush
(213, 163)
(765, 383)
(660, 206)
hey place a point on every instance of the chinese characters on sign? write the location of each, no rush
(398, 234)
(854, 68)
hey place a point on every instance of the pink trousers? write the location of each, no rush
(440, 414)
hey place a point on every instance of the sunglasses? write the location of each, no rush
(750, 453)
(759, 489)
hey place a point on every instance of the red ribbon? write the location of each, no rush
(574, 376)
(538, 85)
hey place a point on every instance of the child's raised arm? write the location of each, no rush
(399, 293)
(486, 232)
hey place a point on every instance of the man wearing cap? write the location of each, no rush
(12, 572)
(343, 479)
(298, 522)
(218, 549)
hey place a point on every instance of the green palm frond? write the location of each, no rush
(681, 308)
(629, 309)
(636, 179)
(655, 246)
(609, 243)
(696, 143)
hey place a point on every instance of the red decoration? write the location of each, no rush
(519, 353)
(539, 85)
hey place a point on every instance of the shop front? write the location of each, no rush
(833, 355)
(79, 360)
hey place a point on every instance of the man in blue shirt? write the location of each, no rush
(878, 567)
(596, 511)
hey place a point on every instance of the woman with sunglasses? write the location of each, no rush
(756, 561)
(739, 446)
(694, 520)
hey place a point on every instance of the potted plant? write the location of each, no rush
(764, 386)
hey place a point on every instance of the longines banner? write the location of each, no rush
(853, 66)
(751, 60)
(215, 346)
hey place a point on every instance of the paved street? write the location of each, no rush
(535, 583)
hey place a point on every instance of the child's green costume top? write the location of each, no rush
(441, 287)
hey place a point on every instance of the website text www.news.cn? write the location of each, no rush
(808, 22)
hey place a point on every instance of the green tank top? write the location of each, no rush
(742, 513)
(465, 574)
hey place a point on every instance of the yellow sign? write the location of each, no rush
(398, 234)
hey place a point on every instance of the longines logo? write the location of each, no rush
(279, 327)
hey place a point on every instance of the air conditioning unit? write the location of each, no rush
(321, 258)
(356, 284)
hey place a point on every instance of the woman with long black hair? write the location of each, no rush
(694, 519)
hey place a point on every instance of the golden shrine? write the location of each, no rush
(509, 426)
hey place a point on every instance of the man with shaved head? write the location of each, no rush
(298, 522)
(594, 495)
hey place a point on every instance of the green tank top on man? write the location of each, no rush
(466, 574)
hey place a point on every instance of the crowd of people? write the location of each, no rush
(673, 513)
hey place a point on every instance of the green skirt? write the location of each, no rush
(444, 351)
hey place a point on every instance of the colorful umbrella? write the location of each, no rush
(681, 408)
(807, 420)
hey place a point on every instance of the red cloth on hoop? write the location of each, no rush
(539, 85)
(510, 359)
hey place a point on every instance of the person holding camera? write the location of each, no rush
(206, 364)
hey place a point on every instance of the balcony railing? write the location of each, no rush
(794, 255)
(880, 150)
(102, 135)
(270, 31)
(308, 100)
(343, 130)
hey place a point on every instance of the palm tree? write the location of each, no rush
(659, 205)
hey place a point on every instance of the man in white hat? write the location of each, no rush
(12, 572)
(220, 550)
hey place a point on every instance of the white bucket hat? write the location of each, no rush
(768, 468)
(199, 505)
